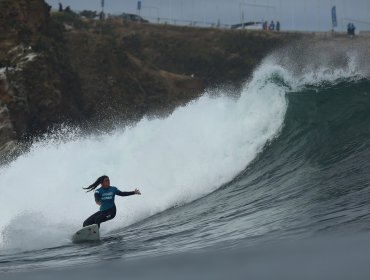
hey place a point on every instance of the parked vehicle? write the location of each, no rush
(133, 17)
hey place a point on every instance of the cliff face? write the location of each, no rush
(58, 68)
(23, 18)
(36, 87)
(18, 22)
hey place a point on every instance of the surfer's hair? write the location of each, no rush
(96, 183)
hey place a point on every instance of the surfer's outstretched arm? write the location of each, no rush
(136, 191)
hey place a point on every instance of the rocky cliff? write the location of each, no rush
(60, 68)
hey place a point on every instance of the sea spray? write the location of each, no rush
(173, 161)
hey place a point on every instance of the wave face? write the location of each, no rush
(288, 159)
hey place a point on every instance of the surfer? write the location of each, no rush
(104, 197)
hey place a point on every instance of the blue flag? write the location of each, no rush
(334, 17)
(139, 5)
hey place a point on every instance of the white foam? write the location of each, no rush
(320, 64)
(173, 161)
(2, 73)
(31, 230)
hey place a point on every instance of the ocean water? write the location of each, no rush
(272, 184)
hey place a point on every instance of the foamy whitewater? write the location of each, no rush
(171, 160)
(193, 152)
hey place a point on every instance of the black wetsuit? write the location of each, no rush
(107, 207)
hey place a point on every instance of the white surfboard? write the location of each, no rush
(89, 233)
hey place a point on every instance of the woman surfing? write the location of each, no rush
(104, 197)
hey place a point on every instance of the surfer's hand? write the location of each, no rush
(136, 191)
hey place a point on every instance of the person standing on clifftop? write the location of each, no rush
(278, 26)
(60, 7)
(351, 29)
(264, 26)
(272, 26)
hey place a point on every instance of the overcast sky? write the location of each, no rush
(310, 15)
